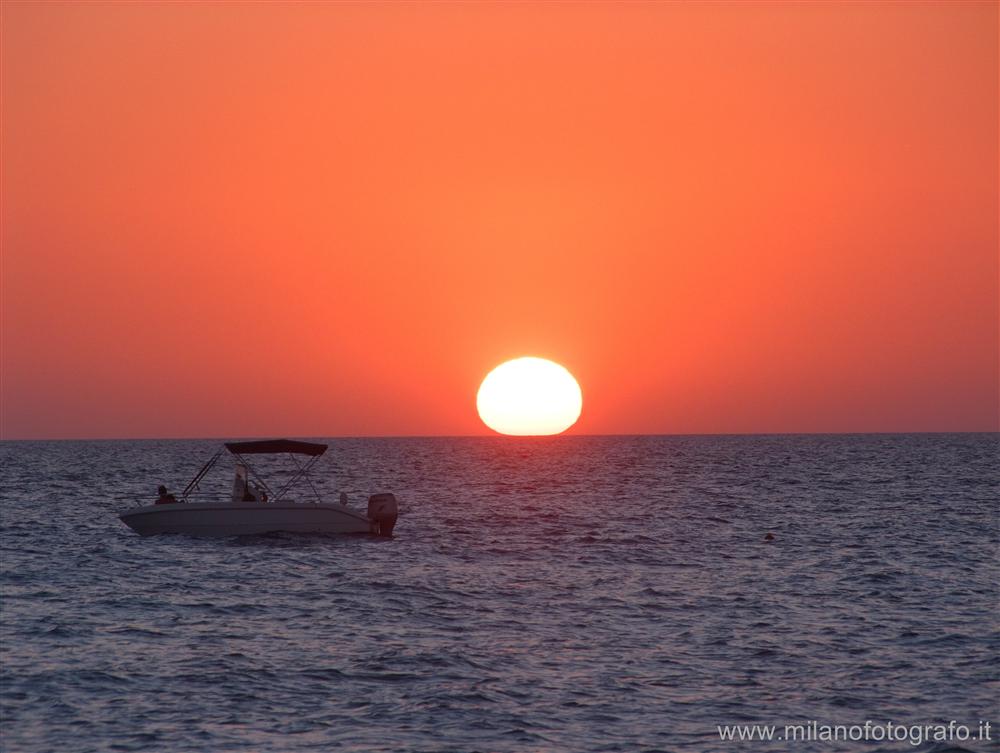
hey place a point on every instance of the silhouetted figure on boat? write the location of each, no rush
(165, 498)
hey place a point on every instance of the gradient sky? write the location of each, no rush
(332, 219)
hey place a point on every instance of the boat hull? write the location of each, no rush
(243, 518)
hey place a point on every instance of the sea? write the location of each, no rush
(566, 594)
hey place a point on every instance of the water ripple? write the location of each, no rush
(560, 595)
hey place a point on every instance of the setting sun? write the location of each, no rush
(529, 397)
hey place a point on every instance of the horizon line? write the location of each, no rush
(497, 436)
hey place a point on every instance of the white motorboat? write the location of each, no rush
(254, 509)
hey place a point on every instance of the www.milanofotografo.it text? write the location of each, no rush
(868, 731)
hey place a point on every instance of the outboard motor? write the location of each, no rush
(382, 513)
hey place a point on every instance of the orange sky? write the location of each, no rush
(328, 219)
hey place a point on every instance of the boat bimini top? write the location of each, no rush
(259, 490)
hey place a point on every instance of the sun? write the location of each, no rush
(529, 397)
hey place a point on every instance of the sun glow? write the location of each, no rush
(529, 397)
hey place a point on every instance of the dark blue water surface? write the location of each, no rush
(566, 594)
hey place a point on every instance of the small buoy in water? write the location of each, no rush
(769, 537)
(343, 499)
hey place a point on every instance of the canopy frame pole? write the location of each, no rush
(307, 477)
(302, 471)
(193, 483)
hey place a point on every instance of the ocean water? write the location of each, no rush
(566, 594)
